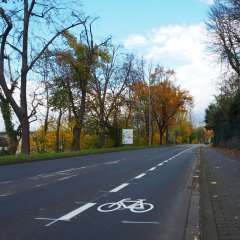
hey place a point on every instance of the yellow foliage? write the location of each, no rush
(46, 142)
(179, 139)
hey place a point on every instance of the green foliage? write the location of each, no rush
(234, 117)
(223, 117)
(9, 126)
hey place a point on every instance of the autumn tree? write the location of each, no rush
(167, 99)
(28, 26)
(81, 59)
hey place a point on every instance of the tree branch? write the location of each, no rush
(50, 42)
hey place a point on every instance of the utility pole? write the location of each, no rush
(149, 117)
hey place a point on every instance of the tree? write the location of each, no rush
(223, 26)
(58, 101)
(166, 99)
(110, 80)
(7, 117)
(18, 23)
(81, 59)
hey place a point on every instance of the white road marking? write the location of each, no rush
(166, 161)
(48, 219)
(152, 169)
(5, 182)
(6, 194)
(160, 164)
(119, 187)
(76, 211)
(114, 162)
(72, 214)
(54, 174)
(140, 176)
(65, 178)
(133, 222)
(40, 185)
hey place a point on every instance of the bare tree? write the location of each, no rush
(223, 26)
(28, 28)
(109, 83)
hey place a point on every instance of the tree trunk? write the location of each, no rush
(76, 138)
(167, 135)
(25, 148)
(57, 149)
(101, 134)
(161, 132)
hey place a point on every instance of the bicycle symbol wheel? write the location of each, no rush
(146, 207)
(109, 207)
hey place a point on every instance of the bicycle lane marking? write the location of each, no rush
(135, 206)
(83, 208)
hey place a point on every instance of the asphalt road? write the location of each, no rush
(147, 191)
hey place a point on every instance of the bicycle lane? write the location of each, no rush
(164, 187)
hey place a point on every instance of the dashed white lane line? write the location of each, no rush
(119, 187)
(77, 211)
(152, 169)
(160, 164)
(65, 178)
(114, 162)
(6, 194)
(72, 214)
(140, 176)
(6, 182)
(40, 185)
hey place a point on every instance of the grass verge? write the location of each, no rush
(21, 158)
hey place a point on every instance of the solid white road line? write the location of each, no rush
(133, 222)
(119, 187)
(140, 176)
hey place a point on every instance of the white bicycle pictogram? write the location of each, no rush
(136, 206)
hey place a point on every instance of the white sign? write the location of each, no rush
(127, 136)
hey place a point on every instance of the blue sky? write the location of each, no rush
(166, 32)
(122, 18)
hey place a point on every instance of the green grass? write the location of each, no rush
(12, 159)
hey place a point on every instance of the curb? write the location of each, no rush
(208, 223)
(193, 224)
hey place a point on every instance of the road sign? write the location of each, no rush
(127, 136)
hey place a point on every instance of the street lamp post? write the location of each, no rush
(149, 117)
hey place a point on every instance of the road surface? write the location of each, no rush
(138, 194)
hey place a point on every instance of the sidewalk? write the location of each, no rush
(220, 195)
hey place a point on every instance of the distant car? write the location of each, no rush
(206, 143)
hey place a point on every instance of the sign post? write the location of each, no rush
(127, 136)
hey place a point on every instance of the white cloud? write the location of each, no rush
(182, 48)
(208, 1)
(135, 40)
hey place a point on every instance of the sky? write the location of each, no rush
(170, 33)
(166, 32)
